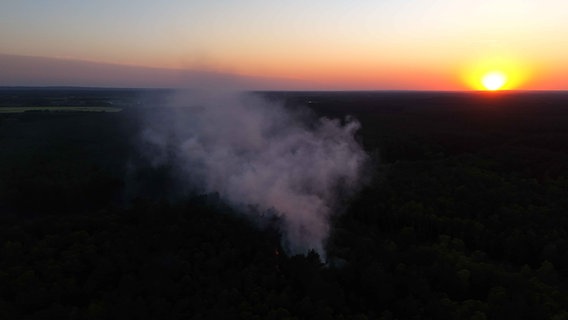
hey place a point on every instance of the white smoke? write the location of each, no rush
(257, 153)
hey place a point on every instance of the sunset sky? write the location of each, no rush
(332, 44)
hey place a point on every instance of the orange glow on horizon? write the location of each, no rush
(330, 74)
(497, 74)
(494, 81)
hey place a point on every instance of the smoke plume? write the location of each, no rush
(259, 154)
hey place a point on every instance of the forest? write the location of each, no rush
(464, 215)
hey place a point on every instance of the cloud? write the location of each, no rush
(40, 71)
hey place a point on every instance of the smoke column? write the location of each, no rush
(256, 153)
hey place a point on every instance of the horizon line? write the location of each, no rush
(4, 87)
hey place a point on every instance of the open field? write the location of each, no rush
(58, 109)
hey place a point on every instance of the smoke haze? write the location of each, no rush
(259, 154)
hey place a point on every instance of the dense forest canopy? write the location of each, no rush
(464, 217)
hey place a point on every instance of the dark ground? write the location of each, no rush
(466, 217)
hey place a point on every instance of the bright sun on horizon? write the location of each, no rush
(494, 81)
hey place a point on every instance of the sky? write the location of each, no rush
(331, 44)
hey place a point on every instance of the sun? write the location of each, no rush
(494, 81)
(497, 73)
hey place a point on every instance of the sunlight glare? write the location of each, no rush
(494, 81)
